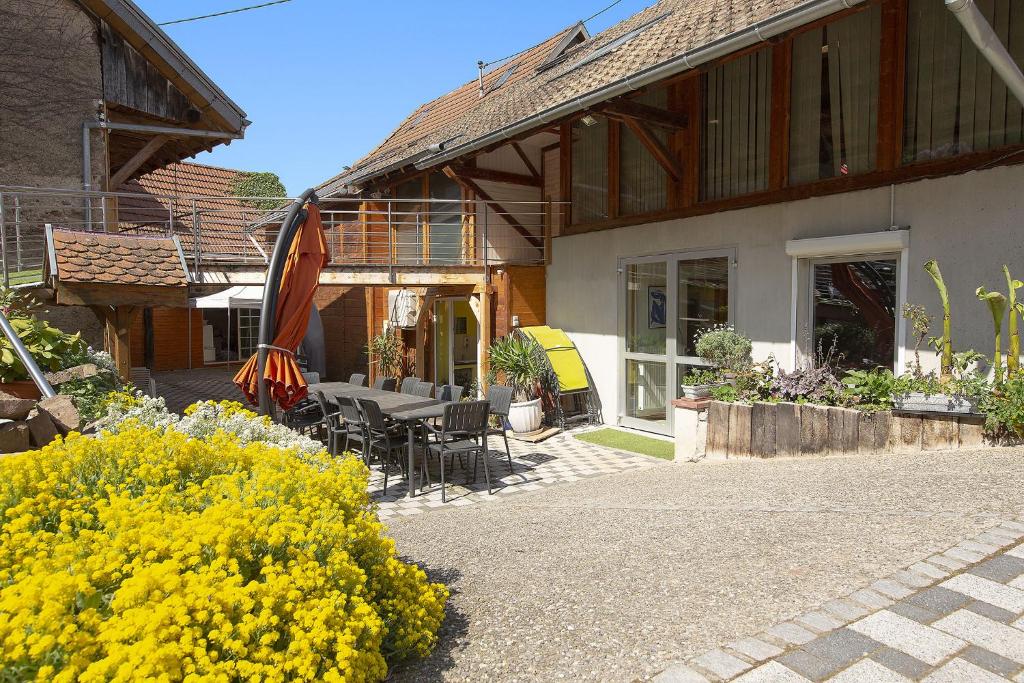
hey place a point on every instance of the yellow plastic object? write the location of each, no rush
(565, 359)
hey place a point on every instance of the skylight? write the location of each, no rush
(502, 78)
(419, 117)
(617, 42)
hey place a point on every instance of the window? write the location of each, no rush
(407, 220)
(736, 100)
(834, 116)
(503, 78)
(854, 311)
(955, 103)
(643, 183)
(445, 236)
(590, 170)
(248, 331)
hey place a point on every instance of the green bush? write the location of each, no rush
(517, 361)
(50, 348)
(724, 348)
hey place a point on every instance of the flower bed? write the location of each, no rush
(174, 551)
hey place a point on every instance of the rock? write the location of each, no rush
(14, 437)
(78, 372)
(41, 428)
(62, 411)
(13, 407)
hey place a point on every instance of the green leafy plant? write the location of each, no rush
(870, 388)
(997, 307)
(701, 376)
(726, 392)
(259, 186)
(51, 348)
(921, 323)
(724, 348)
(516, 362)
(1013, 308)
(387, 352)
(943, 344)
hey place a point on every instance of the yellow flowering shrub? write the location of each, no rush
(150, 554)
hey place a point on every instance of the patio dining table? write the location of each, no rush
(410, 410)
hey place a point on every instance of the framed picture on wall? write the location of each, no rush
(657, 305)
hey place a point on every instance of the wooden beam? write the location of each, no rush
(656, 147)
(673, 120)
(96, 294)
(565, 173)
(133, 164)
(117, 328)
(483, 352)
(778, 135)
(468, 184)
(526, 160)
(891, 92)
(494, 176)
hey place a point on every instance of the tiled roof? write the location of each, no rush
(92, 257)
(672, 27)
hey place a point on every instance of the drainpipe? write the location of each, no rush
(268, 310)
(88, 126)
(988, 44)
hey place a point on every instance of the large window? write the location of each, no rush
(854, 309)
(834, 117)
(955, 103)
(643, 183)
(408, 218)
(445, 219)
(736, 114)
(590, 170)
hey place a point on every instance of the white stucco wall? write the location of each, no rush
(971, 223)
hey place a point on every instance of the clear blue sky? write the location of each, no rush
(323, 81)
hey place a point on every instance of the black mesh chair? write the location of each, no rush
(450, 392)
(358, 379)
(353, 427)
(409, 385)
(424, 389)
(382, 438)
(500, 398)
(331, 421)
(385, 383)
(306, 417)
(463, 432)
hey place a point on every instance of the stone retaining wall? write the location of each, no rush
(766, 430)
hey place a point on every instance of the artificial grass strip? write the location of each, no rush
(634, 443)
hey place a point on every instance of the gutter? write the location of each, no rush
(805, 13)
(988, 44)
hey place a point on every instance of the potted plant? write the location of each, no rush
(51, 348)
(725, 351)
(387, 352)
(699, 382)
(516, 361)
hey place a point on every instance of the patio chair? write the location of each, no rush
(358, 379)
(501, 402)
(409, 385)
(353, 427)
(382, 438)
(463, 432)
(450, 392)
(330, 420)
(306, 417)
(385, 383)
(424, 389)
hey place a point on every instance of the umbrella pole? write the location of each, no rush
(268, 311)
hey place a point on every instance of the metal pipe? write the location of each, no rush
(268, 323)
(727, 44)
(30, 363)
(3, 242)
(988, 44)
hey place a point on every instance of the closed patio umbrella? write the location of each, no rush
(307, 256)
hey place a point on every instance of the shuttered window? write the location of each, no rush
(590, 171)
(643, 183)
(955, 103)
(735, 122)
(834, 116)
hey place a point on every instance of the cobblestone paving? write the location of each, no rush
(956, 616)
(562, 458)
(182, 388)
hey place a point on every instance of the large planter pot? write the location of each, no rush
(917, 402)
(525, 417)
(698, 391)
(24, 388)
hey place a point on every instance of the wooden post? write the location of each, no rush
(117, 334)
(483, 351)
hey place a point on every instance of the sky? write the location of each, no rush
(324, 81)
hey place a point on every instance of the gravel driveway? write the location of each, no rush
(614, 578)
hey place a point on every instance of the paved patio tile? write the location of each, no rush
(991, 611)
(962, 671)
(1017, 551)
(791, 633)
(818, 621)
(868, 671)
(679, 673)
(809, 666)
(755, 649)
(918, 614)
(1002, 568)
(893, 589)
(870, 598)
(1001, 639)
(721, 663)
(841, 647)
(983, 548)
(929, 570)
(997, 664)
(991, 592)
(946, 561)
(772, 672)
(938, 599)
(923, 642)
(900, 662)
(967, 556)
(846, 610)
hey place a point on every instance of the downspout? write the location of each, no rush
(268, 310)
(988, 44)
(761, 32)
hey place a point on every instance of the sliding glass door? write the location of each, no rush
(666, 301)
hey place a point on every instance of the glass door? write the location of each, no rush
(667, 301)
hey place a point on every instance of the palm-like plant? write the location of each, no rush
(1013, 350)
(944, 344)
(387, 352)
(997, 306)
(517, 360)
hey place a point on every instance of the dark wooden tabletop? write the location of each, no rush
(402, 407)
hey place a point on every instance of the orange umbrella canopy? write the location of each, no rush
(306, 258)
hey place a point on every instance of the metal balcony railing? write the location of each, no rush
(229, 232)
